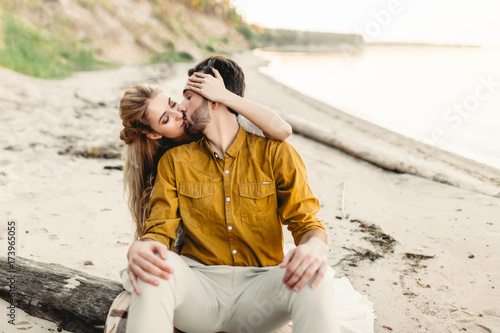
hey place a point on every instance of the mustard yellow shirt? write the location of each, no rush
(232, 209)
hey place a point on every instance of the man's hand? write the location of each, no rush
(142, 258)
(308, 258)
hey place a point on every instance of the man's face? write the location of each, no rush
(196, 112)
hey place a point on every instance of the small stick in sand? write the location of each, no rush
(344, 215)
(111, 329)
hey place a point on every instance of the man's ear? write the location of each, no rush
(215, 105)
(153, 136)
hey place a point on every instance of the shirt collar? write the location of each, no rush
(235, 146)
(237, 143)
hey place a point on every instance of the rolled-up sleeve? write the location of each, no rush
(297, 204)
(164, 217)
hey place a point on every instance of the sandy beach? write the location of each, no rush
(423, 251)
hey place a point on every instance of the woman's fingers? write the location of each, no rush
(201, 77)
(196, 90)
(209, 86)
(217, 74)
(197, 79)
(195, 84)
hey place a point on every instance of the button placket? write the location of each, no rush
(226, 178)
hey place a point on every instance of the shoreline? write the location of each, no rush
(71, 210)
(380, 146)
(359, 47)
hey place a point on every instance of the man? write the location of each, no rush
(232, 191)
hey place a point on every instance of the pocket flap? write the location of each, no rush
(196, 190)
(256, 190)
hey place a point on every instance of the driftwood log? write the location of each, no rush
(394, 152)
(76, 301)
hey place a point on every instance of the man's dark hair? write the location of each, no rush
(231, 72)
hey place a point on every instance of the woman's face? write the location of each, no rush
(165, 118)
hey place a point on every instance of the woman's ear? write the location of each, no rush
(153, 136)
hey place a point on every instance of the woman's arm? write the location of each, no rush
(273, 126)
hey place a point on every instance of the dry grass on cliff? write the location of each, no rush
(54, 38)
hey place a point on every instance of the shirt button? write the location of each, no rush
(234, 251)
(226, 172)
(228, 199)
(216, 155)
(230, 228)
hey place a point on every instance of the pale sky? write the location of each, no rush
(452, 21)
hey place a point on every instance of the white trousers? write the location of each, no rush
(204, 299)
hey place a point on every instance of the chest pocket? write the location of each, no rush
(196, 202)
(258, 203)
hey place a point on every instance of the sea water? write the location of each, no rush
(444, 96)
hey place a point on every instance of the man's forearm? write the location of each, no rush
(314, 233)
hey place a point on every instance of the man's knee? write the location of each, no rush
(174, 261)
(322, 291)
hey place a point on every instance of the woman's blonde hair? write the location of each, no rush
(142, 153)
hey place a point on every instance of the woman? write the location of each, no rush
(152, 124)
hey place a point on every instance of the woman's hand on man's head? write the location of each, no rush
(147, 259)
(212, 88)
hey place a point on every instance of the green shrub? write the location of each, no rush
(210, 48)
(171, 56)
(247, 32)
(31, 52)
(183, 56)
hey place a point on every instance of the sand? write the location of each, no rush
(70, 210)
